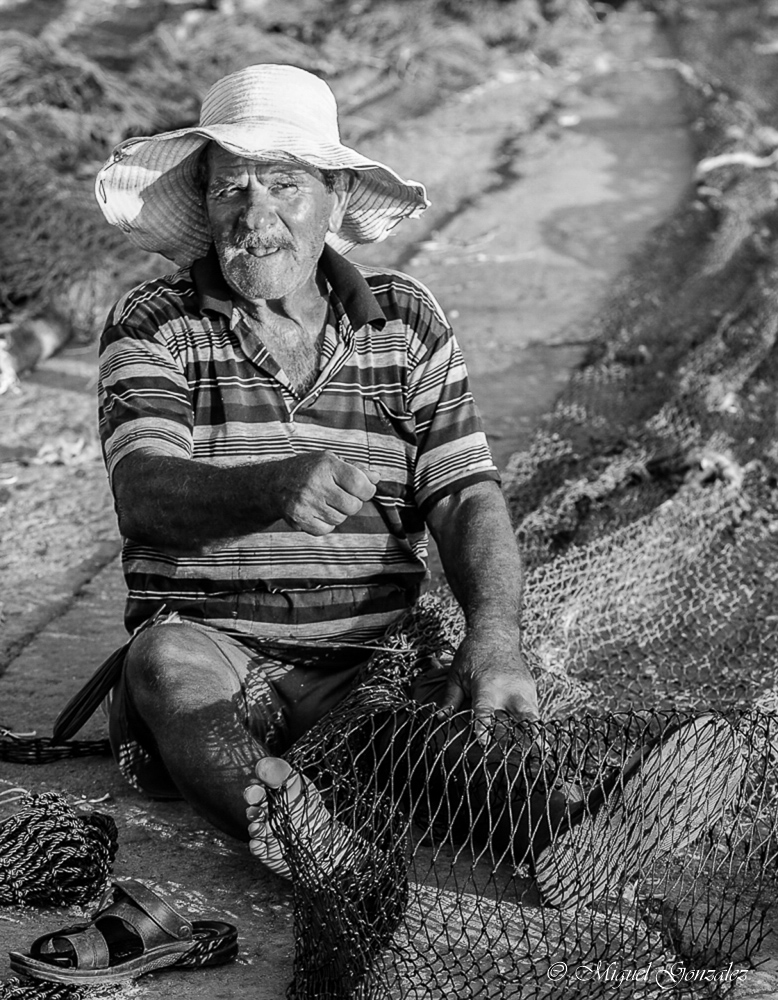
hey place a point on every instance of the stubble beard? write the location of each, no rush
(261, 278)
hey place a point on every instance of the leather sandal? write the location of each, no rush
(136, 933)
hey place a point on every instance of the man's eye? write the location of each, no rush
(287, 187)
(224, 192)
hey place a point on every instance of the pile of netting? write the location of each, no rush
(27, 989)
(630, 841)
(101, 71)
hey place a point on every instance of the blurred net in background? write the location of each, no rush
(647, 510)
(100, 71)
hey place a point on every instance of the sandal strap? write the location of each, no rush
(153, 906)
(87, 944)
(149, 932)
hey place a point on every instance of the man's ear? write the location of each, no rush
(341, 192)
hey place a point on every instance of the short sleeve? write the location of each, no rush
(452, 450)
(144, 397)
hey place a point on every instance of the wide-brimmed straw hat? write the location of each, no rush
(150, 185)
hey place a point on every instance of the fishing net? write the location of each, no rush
(432, 860)
(21, 988)
(629, 842)
(60, 116)
(100, 73)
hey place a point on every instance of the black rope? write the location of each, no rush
(19, 748)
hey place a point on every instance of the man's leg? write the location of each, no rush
(284, 803)
(498, 795)
(181, 705)
(197, 707)
(499, 798)
(668, 794)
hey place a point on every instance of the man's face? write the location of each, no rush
(268, 222)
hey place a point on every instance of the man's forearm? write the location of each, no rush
(182, 504)
(483, 567)
(479, 554)
(185, 504)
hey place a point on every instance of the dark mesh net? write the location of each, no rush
(629, 841)
(535, 861)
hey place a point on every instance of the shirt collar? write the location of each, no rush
(350, 287)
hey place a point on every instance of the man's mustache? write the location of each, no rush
(263, 245)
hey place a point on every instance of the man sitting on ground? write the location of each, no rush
(281, 428)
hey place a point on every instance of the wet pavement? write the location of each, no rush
(529, 231)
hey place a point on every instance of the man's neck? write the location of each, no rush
(305, 309)
(292, 329)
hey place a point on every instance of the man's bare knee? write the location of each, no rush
(177, 663)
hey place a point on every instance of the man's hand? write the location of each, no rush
(317, 492)
(488, 670)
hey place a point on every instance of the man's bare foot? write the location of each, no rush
(285, 809)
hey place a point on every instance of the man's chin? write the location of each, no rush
(254, 278)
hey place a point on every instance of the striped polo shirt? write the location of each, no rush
(182, 374)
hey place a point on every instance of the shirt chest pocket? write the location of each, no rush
(391, 443)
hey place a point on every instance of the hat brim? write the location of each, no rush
(149, 187)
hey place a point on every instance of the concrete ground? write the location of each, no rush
(531, 228)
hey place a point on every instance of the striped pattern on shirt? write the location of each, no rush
(181, 375)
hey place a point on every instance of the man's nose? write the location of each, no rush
(258, 212)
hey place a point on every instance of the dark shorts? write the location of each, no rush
(280, 700)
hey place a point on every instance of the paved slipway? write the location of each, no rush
(542, 188)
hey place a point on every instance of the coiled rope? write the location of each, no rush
(50, 855)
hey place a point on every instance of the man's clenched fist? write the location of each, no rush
(317, 492)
